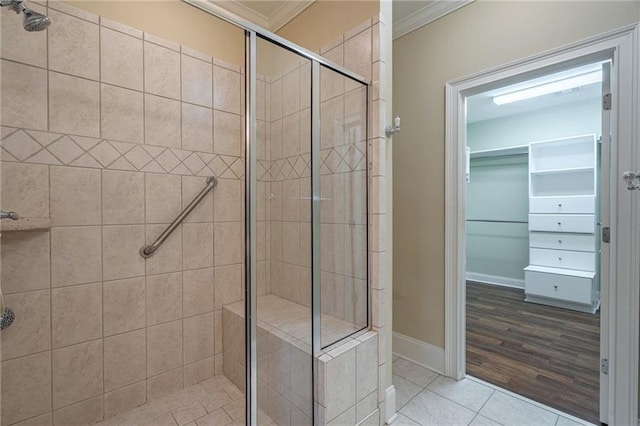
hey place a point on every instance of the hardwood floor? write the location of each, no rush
(547, 354)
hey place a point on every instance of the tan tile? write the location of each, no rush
(163, 197)
(332, 248)
(25, 261)
(291, 92)
(122, 114)
(162, 42)
(197, 245)
(275, 141)
(44, 420)
(228, 203)
(25, 189)
(197, 128)
(122, 197)
(74, 105)
(31, 332)
(161, 71)
(228, 285)
(164, 384)
(191, 186)
(197, 79)
(108, 23)
(73, 46)
(227, 134)
(357, 54)
(76, 255)
(124, 399)
(198, 291)
(66, 8)
(123, 305)
(162, 121)
(120, 247)
(188, 412)
(75, 196)
(164, 420)
(228, 243)
(24, 95)
(26, 387)
(121, 59)
(275, 98)
(198, 337)
(27, 50)
(226, 88)
(168, 257)
(291, 242)
(216, 418)
(124, 359)
(217, 334)
(305, 85)
(198, 371)
(160, 356)
(77, 373)
(164, 298)
(82, 413)
(76, 314)
(291, 135)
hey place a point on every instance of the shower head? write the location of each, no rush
(32, 21)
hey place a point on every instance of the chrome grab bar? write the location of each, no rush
(9, 215)
(148, 250)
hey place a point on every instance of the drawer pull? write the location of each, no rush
(555, 287)
(559, 204)
(559, 223)
(559, 241)
(560, 259)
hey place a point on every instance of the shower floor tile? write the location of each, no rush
(215, 401)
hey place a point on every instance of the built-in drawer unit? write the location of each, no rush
(562, 223)
(558, 241)
(585, 204)
(580, 260)
(569, 288)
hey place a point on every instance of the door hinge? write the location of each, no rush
(606, 101)
(606, 234)
(604, 366)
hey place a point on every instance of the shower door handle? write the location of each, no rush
(632, 179)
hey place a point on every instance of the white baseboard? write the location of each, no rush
(390, 405)
(495, 280)
(424, 354)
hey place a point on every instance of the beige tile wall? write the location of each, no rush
(109, 132)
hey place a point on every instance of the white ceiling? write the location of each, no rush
(481, 107)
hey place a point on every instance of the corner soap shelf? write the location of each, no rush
(26, 224)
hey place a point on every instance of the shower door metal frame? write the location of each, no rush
(252, 32)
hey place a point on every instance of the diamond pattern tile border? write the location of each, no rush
(18, 145)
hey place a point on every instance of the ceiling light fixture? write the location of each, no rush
(547, 88)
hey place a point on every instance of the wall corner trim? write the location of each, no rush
(422, 353)
(390, 405)
(429, 13)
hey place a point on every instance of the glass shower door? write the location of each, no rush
(283, 270)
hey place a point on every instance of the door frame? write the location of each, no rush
(624, 276)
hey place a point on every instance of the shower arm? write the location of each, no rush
(15, 5)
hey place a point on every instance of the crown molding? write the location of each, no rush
(285, 13)
(432, 11)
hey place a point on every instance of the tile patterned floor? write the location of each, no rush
(214, 402)
(425, 398)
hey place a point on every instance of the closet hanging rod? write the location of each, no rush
(148, 250)
(496, 221)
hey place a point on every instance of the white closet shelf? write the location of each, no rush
(562, 171)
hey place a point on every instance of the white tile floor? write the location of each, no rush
(425, 398)
(214, 402)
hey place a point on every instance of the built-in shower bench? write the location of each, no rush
(347, 372)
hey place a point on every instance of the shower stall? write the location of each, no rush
(190, 237)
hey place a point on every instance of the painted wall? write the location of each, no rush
(176, 21)
(478, 36)
(329, 20)
(499, 186)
